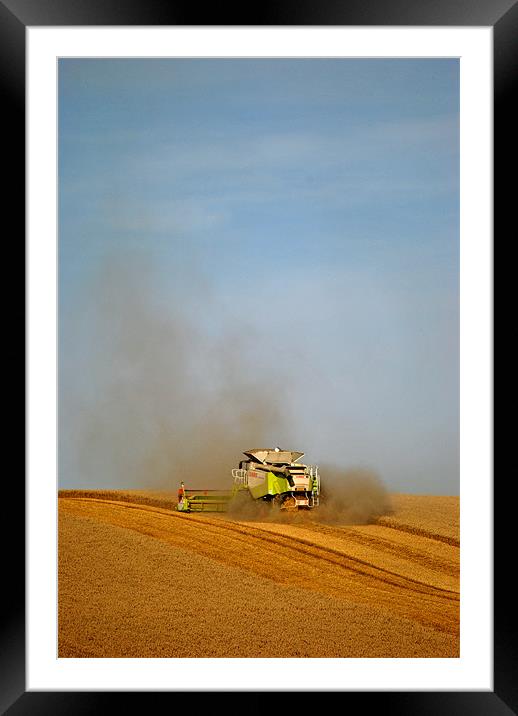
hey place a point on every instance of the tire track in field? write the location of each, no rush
(295, 542)
(436, 561)
(135, 596)
(410, 529)
(282, 558)
(330, 554)
(298, 544)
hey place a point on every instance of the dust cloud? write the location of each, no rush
(156, 386)
(353, 496)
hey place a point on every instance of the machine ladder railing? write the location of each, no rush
(240, 477)
(313, 473)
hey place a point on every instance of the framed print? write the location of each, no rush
(187, 195)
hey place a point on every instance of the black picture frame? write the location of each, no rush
(15, 17)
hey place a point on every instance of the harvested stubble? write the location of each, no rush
(139, 580)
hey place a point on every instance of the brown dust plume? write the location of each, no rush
(157, 386)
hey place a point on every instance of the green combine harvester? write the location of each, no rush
(269, 475)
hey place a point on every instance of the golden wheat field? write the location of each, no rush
(138, 579)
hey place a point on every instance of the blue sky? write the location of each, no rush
(305, 212)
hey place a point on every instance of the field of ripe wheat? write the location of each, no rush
(138, 579)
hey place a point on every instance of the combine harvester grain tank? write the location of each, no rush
(268, 475)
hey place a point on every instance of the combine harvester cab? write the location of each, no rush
(269, 475)
(276, 476)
